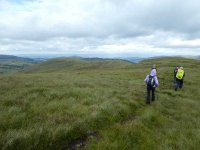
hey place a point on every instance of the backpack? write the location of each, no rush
(180, 74)
(175, 69)
(151, 81)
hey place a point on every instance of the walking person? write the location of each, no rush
(175, 72)
(179, 78)
(151, 81)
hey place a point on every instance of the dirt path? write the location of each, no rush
(81, 141)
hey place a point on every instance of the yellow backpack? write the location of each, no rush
(179, 74)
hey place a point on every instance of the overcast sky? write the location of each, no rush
(100, 28)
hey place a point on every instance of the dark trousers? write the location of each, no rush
(150, 94)
(179, 84)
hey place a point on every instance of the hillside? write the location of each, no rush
(81, 104)
(74, 64)
(10, 64)
(12, 58)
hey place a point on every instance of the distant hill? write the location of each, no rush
(133, 59)
(78, 63)
(15, 58)
(127, 59)
(10, 63)
(66, 64)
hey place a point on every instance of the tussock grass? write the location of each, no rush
(171, 123)
(58, 101)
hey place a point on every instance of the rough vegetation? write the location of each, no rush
(59, 102)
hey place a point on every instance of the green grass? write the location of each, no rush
(13, 66)
(60, 100)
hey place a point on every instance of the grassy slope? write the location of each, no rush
(171, 123)
(75, 64)
(12, 64)
(61, 100)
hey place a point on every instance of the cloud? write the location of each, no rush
(99, 26)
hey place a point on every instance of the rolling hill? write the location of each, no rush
(76, 64)
(82, 104)
(10, 64)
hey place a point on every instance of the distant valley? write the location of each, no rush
(10, 64)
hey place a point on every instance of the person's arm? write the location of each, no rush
(156, 81)
(146, 79)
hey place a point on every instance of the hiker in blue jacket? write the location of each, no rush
(151, 81)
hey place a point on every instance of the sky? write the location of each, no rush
(100, 28)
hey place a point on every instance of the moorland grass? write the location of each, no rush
(55, 102)
(171, 123)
